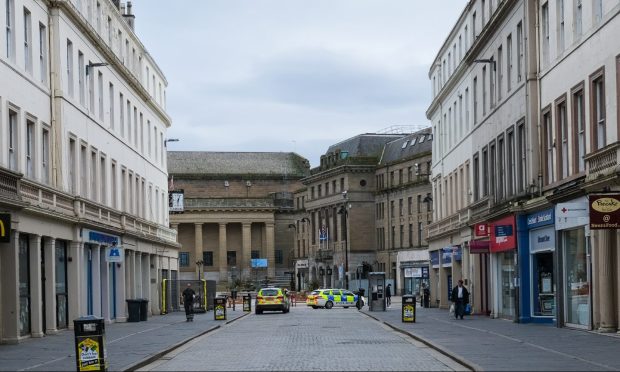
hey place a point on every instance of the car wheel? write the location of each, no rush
(346, 307)
(329, 305)
(315, 307)
(259, 311)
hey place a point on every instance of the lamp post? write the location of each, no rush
(199, 264)
(343, 211)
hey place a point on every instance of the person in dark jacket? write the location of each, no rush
(460, 298)
(188, 302)
(388, 295)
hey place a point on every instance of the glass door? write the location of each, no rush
(576, 279)
(24, 285)
(62, 310)
(506, 281)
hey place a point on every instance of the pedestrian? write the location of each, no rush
(188, 302)
(460, 298)
(388, 294)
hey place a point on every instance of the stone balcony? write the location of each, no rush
(602, 165)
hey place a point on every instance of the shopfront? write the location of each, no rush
(446, 268)
(479, 249)
(434, 280)
(539, 284)
(416, 278)
(572, 220)
(503, 249)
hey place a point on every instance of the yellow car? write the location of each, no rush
(272, 299)
(329, 298)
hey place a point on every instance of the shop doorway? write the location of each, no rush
(577, 279)
(507, 274)
(543, 284)
(62, 303)
(24, 285)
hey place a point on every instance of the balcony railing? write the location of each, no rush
(443, 227)
(9, 184)
(479, 209)
(602, 163)
(56, 202)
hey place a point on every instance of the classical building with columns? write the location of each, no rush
(238, 207)
(82, 167)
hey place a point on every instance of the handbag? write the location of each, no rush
(467, 309)
(452, 309)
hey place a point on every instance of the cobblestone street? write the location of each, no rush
(305, 339)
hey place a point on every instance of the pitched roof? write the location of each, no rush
(408, 146)
(369, 144)
(243, 163)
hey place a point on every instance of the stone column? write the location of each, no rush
(223, 253)
(606, 282)
(96, 275)
(197, 246)
(120, 290)
(127, 275)
(271, 249)
(50, 285)
(132, 269)
(74, 280)
(9, 257)
(36, 290)
(246, 253)
(146, 279)
(138, 268)
(104, 268)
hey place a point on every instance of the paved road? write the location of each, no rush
(305, 339)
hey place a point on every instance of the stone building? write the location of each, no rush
(238, 207)
(403, 211)
(82, 167)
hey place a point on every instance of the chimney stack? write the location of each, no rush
(130, 18)
(117, 3)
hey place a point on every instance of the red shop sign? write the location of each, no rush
(503, 234)
(481, 230)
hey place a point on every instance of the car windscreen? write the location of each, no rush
(269, 292)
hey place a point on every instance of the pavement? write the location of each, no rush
(482, 343)
(127, 344)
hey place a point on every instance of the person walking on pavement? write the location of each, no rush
(460, 298)
(388, 294)
(188, 302)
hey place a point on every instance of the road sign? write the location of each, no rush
(5, 227)
(114, 254)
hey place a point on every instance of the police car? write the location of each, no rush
(328, 298)
(272, 299)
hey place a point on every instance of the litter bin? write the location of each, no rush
(220, 308)
(408, 311)
(144, 309)
(90, 343)
(247, 302)
(133, 308)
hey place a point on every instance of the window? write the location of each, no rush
(93, 175)
(135, 127)
(148, 134)
(27, 41)
(492, 73)
(578, 18)
(400, 207)
(561, 29)
(320, 190)
(231, 258)
(597, 10)
(80, 69)
(545, 33)
(279, 257)
(401, 180)
(111, 103)
(43, 53)
(207, 258)
(102, 180)
(492, 170)
(475, 88)
(45, 155)
(70, 67)
(128, 121)
(510, 158)
(29, 148)
(13, 143)
(392, 209)
(520, 52)
(393, 245)
(484, 90)
(419, 203)
(482, 11)
(501, 170)
(110, 32)
(124, 192)
(342, 184)
(597, 86)
(72, 166)
(473, 26)
(579, 130)
(141, 133)
(500, 72)
(548, 147)
(121, 110)
(476, 177)
(114, 187)
(509, 63)
(184, 259)
(91, 91)
(100, 83)
(410, 235)
(410, 205)
(401, 236)
(521, 161)
(83, 171)
(485, 172)
(10, 36)
(98, 17)
(562, 135)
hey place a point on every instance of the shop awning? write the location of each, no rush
(479, 246)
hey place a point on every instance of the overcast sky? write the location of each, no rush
(292, 75)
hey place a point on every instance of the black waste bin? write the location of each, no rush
(247, 302)
(408, 310)
(133, 308)
(219, 312)
(144, 309)
(90, 343)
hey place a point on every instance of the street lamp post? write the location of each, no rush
(199, 264)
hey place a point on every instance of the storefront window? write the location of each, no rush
(543, 291)
(577, 290)
(507, 281)
(61, 285)
(24, 286)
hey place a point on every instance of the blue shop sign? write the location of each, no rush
(446, 255)
(541, 218)
(101, 238)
